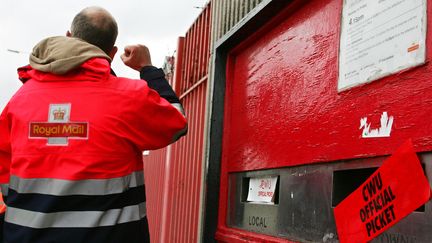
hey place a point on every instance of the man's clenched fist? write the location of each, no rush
(136, 57)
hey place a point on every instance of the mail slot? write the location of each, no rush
(307, 195)
(291, 101)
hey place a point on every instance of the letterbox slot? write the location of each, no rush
(245, 190)
(347, 181)
(276, 201)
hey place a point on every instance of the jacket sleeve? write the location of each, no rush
(156, 80)
(5, 151)
(5, 160)
(156, 119)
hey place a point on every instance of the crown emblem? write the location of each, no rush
(59, 114)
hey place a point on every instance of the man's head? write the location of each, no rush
(96, 26)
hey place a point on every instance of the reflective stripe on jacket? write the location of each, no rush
(71, 155)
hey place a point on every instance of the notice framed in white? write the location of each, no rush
(380, 38)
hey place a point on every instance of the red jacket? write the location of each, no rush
(71, 154)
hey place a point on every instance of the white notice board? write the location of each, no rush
(379, 38)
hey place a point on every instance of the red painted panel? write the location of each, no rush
(184, 183)
(282, 104)
(230, 235)
(282, 107)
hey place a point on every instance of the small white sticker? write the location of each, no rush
(262, 190)
(383, 131)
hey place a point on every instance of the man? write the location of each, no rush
(71, 139)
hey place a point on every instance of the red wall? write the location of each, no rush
(282, 107)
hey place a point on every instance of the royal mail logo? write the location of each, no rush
(55, 130)
(59, 129)
(59, 114)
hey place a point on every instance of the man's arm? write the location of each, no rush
(138, 57)
(5, 160)
(156, 80)
(5, 151)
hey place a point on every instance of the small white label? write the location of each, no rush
(383, 131)
(262, 190)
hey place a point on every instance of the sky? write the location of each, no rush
(154, 23)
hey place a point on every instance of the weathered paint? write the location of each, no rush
(174, 175)
(282, 107)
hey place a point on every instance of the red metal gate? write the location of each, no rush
(174, 176)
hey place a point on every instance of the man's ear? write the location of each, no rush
(113, 52)
(68, 34)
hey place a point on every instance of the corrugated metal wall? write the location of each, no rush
(228, 13)
(154, 171)
(174, 176)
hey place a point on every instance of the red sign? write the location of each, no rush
(395, 190)
(50, 130)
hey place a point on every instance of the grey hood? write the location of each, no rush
(61, 54)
